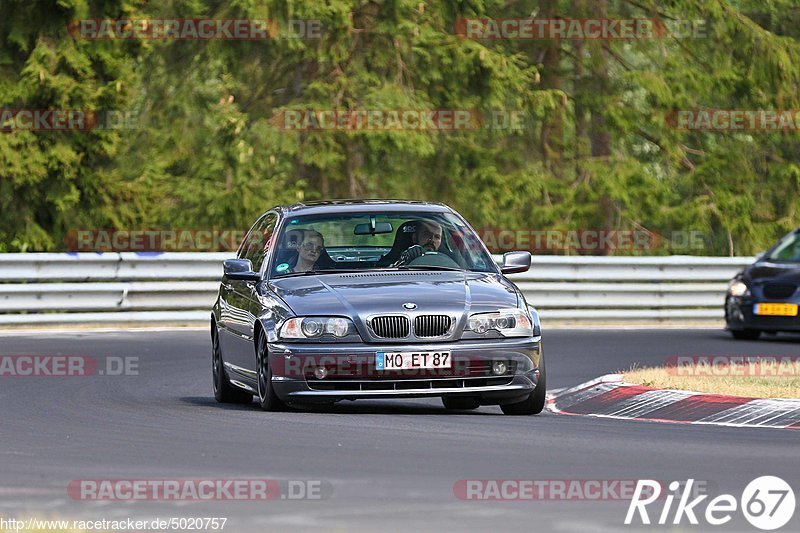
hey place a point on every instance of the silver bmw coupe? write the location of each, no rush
(347, 300)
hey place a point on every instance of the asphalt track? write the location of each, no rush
(392, 465)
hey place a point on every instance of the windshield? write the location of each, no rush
(788, 249)
(370, 241)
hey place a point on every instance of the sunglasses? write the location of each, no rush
(311, 247)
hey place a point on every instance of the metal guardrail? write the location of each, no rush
(89, 288)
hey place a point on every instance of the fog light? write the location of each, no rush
(320, 372)
(499, 367)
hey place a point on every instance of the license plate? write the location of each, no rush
(403, 360)
(776, 309)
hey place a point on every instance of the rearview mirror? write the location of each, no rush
(367, 229)
(240, 269)
(514, 262)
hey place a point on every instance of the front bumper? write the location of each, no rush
(739, 316)
(353, 375)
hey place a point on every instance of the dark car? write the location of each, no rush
(764, 297)
(345, 300)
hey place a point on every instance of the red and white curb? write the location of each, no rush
(610, 397)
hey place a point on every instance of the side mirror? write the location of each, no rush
(240, 269)
(760, 256)
(514, 262)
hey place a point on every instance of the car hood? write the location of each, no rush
(764, 270)
(368, 293)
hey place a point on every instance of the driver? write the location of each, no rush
(426, 238)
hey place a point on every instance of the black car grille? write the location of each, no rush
(779, 290)
(391, 327)
(431, 325)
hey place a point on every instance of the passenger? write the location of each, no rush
(309, 251)
(426, 238)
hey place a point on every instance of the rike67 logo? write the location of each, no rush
(767, 502)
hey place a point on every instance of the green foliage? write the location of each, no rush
(594, 149)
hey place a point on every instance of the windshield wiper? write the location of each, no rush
(320, 271)
(431, 267)
(360, 270)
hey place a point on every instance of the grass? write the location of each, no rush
(758, 382)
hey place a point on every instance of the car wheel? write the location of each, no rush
(534, 404)
(224, 392)
(460, 402)
(267, 399)
(746, 334)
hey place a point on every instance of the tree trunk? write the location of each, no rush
(599, 136)
(355, 160)
(552, 132)
(579, 91)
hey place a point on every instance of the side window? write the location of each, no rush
(259, 241)
(245, 246)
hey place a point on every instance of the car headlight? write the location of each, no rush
(316, 327)
(737, 288)
(508, 322)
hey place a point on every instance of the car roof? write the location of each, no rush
(361, 206)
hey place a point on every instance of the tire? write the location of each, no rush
(746, 334)
(460, 402)
(534, 404)
(224, 392)
(267, 399)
